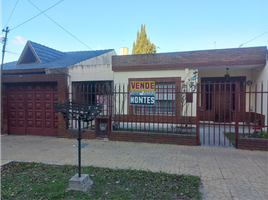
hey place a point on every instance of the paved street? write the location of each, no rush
(225, 173)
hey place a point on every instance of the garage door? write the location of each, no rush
(31, 109)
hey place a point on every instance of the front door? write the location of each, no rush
(223, 102)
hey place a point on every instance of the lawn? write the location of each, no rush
(252, 135)
(21, 180)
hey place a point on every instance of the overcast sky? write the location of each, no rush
(172, 25)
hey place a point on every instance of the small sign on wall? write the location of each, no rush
(142, 93)
(249, 82)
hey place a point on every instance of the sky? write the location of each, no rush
(172, 25)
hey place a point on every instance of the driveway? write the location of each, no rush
(225, 173)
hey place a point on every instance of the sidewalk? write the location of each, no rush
(225, 173)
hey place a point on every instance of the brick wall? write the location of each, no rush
(191, 59)
(253, 144)
(189, 140)
(87, 134)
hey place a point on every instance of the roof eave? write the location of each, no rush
(28, 45)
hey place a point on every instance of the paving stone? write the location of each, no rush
(225, 173)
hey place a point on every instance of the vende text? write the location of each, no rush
(142, 85)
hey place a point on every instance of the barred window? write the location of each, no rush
(164, 100)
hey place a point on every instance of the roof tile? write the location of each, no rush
(51, 58)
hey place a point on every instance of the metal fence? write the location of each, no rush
(217, 113)
(173, 112)
(231, 110)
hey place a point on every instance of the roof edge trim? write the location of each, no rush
(28, 45)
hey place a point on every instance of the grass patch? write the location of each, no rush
(43, 181)
(252, 135)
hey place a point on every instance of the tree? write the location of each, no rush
(143, 44)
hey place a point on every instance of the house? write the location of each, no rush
(42, 76)
(195, 97)
(223, 76)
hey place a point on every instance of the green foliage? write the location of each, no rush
(143, 44)
(255, 134)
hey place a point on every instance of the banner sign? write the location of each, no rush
(142, 93)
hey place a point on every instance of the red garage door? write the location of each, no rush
(31, 109)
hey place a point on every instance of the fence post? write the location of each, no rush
(236, 113)
(197, 114)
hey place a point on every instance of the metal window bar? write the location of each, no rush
(255, 114)
(119, 92)
(167, 108)
(244, 106)
(261, 107)
(209, 108)
(91, 101)
(230, 124)
(128, 107)
(249, 110)
(123, 106)
(140, 116)
(204, 116)
(224, 107)
(219, 112)
(214, 132)
(115, 114)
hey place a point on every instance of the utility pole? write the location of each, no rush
(4, 48)
(1, 82)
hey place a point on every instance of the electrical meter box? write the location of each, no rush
(102, 126)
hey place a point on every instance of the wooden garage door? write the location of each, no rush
(31, 109)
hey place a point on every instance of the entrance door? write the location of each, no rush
(223, 102)
(31, 109)
(218, 99)
(215, 109)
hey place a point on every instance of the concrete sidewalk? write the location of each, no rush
(225, 173)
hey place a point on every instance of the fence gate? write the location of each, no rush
(217, 113)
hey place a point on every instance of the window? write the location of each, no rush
(90, 90)
(164, 100)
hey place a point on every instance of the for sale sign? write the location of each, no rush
(142, 93)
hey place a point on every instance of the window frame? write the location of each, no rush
(174, 80)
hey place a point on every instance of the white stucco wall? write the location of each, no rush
(91, 73)
(98, 68)
(221, 73)
(122, 77)
(260, 75)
